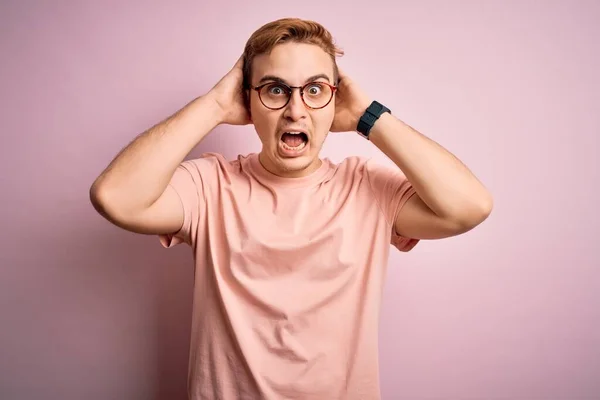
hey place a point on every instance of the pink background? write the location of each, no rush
(507, 311)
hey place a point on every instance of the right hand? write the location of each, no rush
(229, 95)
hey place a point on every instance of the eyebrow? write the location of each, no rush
(281, 80)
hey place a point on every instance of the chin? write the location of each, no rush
(296, 164)
(291, 166)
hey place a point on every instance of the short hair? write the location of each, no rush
(283, 30)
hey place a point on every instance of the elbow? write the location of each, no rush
(471, 215)
(106, 201)
(98, 197)
(476, 213)
(114, 204)
(485, 206)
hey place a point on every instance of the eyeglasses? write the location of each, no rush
(276, 95)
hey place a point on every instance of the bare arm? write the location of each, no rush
(450, 200)
(133, 192)
(135, 180)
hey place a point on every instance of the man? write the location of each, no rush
(290, 249)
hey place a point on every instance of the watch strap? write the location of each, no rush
(370, 116)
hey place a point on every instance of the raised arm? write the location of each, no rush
(133, 192)
(449, 199)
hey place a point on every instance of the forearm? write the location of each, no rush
(441, 180)
(140, 173)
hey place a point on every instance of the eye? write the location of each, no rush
(314, 89)
(276, 89)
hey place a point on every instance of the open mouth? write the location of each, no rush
(294, 141)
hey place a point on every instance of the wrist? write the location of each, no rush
(215, 107)
(370, 117)
(359, 112)
(381, 127)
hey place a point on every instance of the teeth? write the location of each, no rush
(297, 148)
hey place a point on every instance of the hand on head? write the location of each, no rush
(350, 103)
(229, 96)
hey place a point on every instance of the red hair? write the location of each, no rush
(285, 30)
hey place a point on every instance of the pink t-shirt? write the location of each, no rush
(288, 276)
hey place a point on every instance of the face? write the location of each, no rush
(292, 136)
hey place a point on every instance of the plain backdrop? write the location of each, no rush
(507, 311)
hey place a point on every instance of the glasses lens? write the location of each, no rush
(274, 95)
(317, 94)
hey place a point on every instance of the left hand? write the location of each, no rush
(350, 104)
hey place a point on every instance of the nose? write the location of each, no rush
(295, 109)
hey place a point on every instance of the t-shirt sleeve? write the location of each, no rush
(391, 190)
(187, 183)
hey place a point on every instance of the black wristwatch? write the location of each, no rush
(368, 119)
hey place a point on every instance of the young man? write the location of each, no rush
(290, 249)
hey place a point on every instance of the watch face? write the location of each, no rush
(378, 108)
(370, 116)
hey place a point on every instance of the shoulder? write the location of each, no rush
(367, 167)
(214, 163)
(351, 164)
(215, 170)
(207, 161)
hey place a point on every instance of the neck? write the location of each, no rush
(283, 172)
